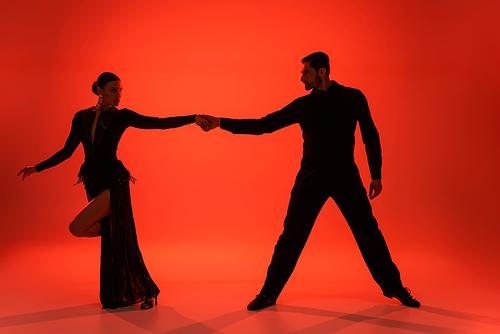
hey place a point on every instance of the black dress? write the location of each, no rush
(124, 277)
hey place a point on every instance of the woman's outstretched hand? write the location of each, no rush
(27, 171)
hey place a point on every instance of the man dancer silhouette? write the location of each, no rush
(328, 117)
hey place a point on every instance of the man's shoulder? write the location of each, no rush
(350, 91)
(299, 102)
(302, 99)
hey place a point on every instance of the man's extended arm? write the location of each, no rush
(270, 123)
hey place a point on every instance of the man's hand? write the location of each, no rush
(207, 122)
(375, 188)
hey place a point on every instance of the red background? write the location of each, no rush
(211, 206)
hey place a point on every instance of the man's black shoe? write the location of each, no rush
(260, 302)
(404, 297)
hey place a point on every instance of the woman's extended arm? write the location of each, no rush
(146, 122)
(63, 154)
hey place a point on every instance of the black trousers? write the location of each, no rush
(311, 190)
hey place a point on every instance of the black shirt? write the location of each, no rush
(328, 120)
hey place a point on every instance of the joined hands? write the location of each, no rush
(207, 123)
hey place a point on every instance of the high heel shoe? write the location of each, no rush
(147, 304)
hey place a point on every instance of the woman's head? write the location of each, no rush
(109, 86)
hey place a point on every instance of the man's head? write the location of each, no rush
(316, 70)
(318, 60)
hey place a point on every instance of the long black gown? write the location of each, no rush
(124, 277)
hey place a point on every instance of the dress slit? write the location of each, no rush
(124, 277)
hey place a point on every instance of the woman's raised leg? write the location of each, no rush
(86, 223)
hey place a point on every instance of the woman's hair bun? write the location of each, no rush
(94, 88)
(102, 80)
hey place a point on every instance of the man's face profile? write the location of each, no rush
(310, 77)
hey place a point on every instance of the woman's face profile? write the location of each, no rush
(111, 93)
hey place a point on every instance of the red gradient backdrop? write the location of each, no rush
(212, 204)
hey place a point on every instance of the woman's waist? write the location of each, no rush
(104, 171)
(101, 166)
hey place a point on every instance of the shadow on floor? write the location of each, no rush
(165, 319)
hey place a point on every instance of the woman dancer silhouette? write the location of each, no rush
(124, 277)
